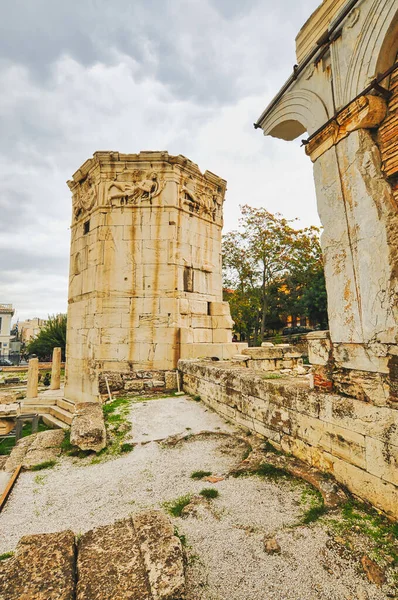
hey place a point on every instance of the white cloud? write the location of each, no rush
(194, 88)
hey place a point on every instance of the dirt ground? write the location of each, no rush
(225, 536)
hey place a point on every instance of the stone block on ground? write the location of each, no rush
(88, 427)
(18, 453)
(110, 565)
(8, 397)
(162, 554)
(42, 568)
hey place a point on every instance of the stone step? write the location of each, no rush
(35, 408)
(66, 405)
(61, 414)
(54, 422)
(37, 401)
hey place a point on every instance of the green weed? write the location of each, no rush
(126, 447)
(200, 474)
(272, 472)
(175, 507)
(181, 537)
(6, 555)
(197, 398)
(44, 465)
(209, 493)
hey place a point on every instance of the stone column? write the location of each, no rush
(56, 370)
(33, 378)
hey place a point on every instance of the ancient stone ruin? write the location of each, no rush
(145, 273)
(344, 94)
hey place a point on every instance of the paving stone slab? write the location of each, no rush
(42, 568)
(162, 554)
(110, 565)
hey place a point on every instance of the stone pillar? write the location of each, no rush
(33, 378)
(56, 370)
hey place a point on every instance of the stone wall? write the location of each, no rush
(354, 440)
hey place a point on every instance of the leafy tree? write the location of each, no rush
(273, 269)
(53, 335)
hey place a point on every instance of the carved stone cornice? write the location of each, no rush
(365, 112)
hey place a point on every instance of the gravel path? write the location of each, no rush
(226, 558)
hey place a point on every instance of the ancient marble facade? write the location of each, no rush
(342, 98)
(344, 94)
(145, 283)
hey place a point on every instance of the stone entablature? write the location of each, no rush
(145, 283)
(355, 441)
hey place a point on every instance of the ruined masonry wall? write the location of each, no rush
(355, 441)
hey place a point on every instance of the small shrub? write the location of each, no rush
(126, 447)
(200, 474)
(272, 472)
(44, 465)
(6, 555)
(209, 493)
(181, 537)
(313, 513)
(197, 398)
(175, 507)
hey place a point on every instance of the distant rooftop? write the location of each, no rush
(6, 308)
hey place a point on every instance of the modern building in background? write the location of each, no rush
(6, 314)
(29, 329)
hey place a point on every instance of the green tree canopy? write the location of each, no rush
(272, 270)
(53, 335)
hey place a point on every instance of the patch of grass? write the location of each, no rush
(181, 537)
(271, 376)
(44, 465)
(209, 493)
(313, 514)
(7, 444)
(366, 521)
(272, 472)
(314, 503)
(200, 474)
(6, 555)
(126, 447)
(175, 507)
(197, 398)
(40, 479)
(268, 447)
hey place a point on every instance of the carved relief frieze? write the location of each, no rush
(141, 186)
(84, 197)
(201, 198)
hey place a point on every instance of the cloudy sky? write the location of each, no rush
(187, 76)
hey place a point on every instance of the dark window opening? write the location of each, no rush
(86, 227)
(188, 279)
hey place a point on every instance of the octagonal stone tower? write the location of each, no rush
(145, 284)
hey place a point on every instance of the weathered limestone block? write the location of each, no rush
(171, 380)
(8, 397)
(162, 554)
(18, 453)
(219, 309)
(88, 427)
(135, 385)
(263, 353)
(110, 564)
(42, 568)
(45, 447)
